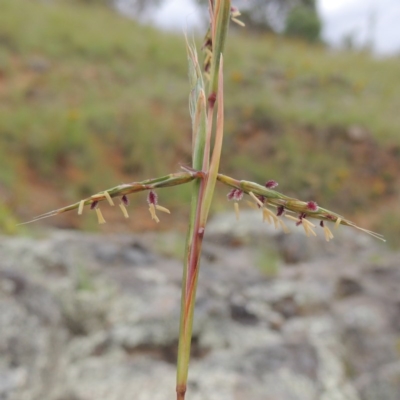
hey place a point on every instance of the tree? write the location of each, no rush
(303, 21)
(268, 15)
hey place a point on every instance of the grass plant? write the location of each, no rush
(206, 107)
(83, 104)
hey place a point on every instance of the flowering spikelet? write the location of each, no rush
(152, 199)
(123, 204)
(270, 217)
(307, 225)
(235, 195)
(100, 218)
(236, 13)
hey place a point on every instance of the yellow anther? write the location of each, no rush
(108, 197)
(162, 209)
(284, 227)
(124, 210)
(327, 233)
(307, 229)
(291, 217)
(153, 213)
(80, 208)
(240, 23)
(266, 215)
(310, 224)
(257, 200)
(237, 212)
(100, 217)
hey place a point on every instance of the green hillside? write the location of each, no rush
(89, 99)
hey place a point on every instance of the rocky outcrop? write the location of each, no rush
(87, 317)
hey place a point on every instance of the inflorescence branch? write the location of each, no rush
(261, 197)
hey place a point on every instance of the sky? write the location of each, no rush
(367, 21)
(377, 21)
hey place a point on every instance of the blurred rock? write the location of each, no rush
(293, 248)
(96, 317)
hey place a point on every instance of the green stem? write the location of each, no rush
(203, 190)
(189, 287)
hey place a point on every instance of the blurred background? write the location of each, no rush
(312, 102)
(94, 93)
